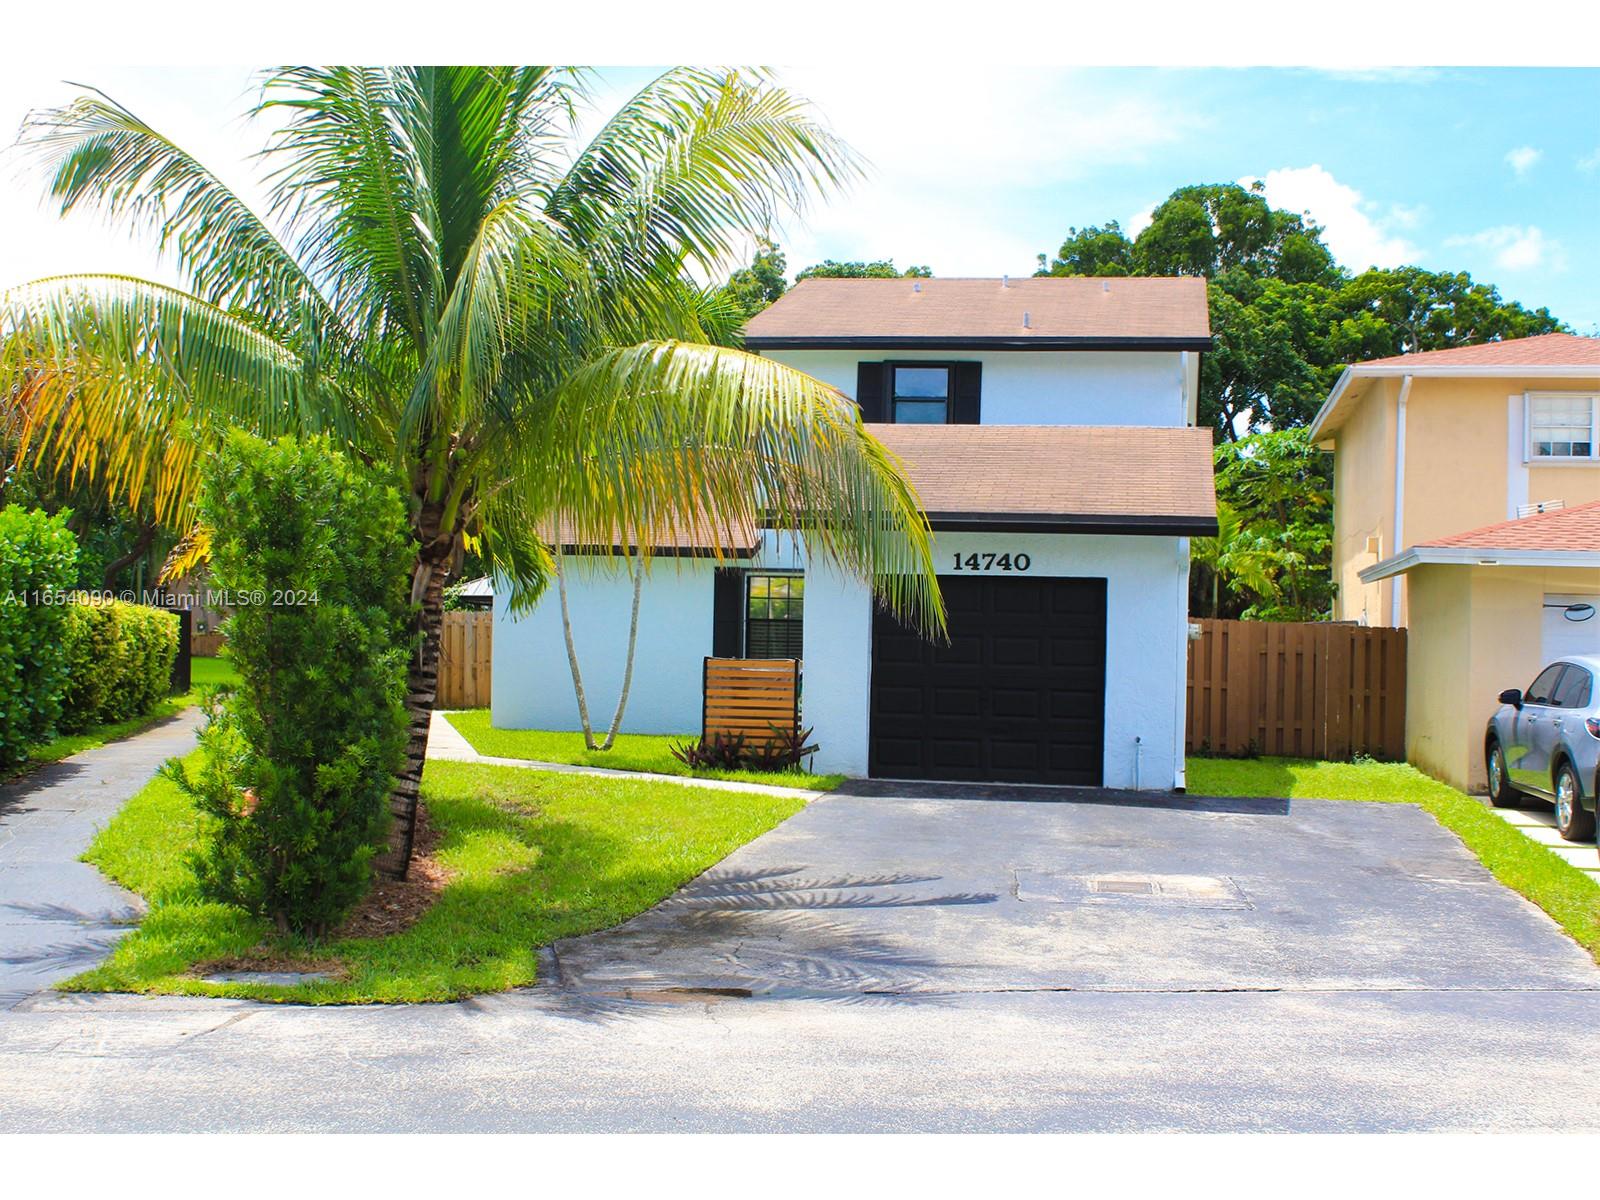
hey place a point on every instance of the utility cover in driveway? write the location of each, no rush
(1016, 696)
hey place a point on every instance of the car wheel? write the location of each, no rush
(1501, 793)
(1573, 822)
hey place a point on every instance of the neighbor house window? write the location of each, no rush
(774, 607)
(1561, 426)
(920, 395)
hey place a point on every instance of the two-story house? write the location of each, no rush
(1048, 426)
(1460, 480)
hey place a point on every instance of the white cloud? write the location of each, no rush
(1517, 247)
(1351, 226)
(954, 173)
(1590, 162)
(1523, 159)
(1140, 221)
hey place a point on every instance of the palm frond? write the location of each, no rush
(124, 383)
(100, 155)
(691, 163)
(352, 187)
(660, 438)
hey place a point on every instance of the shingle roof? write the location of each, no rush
(1545, 350)
(737, 540)
(1059, 312)
(1060, 477)
(1564, 529)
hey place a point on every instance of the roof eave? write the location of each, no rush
(1141, 524)
(1041, 342)
(1476, 556)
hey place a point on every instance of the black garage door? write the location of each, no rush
(1016, 696)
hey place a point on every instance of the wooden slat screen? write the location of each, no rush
(755, 697)
(465, 659)
(1301, 690)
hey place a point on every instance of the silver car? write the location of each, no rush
(1545, 743)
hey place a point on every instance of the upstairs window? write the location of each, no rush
(1561, 426)
(774, 613)
(920, 395)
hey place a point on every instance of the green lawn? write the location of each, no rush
(631, 752)
(204, 673)
(1566, 893)
(536, 857)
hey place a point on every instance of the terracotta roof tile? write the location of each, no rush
(1076, 474)
(1564, 529)
(831, 310)
(1545, 350)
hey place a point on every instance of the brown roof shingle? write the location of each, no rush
(1068, 477)
(735, 540)
(1545, 350)
(1058, 311)
(1564, 529)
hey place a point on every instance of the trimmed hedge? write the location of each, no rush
(38, 564)
(119, 661)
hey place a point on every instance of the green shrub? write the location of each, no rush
(119, 661)
(299, 759)
(38, 564)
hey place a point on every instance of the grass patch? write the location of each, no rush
(212, 672)
(630, 752)
(1570, 897)
(534, 857)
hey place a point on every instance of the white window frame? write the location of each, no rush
(1532, 459)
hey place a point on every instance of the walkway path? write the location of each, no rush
(1538, 824)
(59, 916)
(447, 743)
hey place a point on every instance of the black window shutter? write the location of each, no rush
(727, 613)
(968, 388)
(870, 388)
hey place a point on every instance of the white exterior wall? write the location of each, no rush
(1147, 624)
(532, 683)
(1042, 387)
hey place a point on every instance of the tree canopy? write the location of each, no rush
(1286, 316)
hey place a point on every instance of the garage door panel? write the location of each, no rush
(1017, 695)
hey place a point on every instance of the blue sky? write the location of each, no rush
(975, 171)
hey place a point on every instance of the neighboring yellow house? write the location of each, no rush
(1442, 462)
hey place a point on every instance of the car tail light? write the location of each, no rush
(1592, 724)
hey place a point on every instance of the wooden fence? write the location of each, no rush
(464, 659)
(752, 697)
(1314, 690)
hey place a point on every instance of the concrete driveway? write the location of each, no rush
(958, 890)
(931, 959)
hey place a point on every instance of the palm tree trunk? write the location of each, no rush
(422, 689)
(572, 658)
(627, 670)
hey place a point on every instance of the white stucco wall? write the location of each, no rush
(1041, 387)
(532, 683)
(1146, 647)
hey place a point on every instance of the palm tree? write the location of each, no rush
(1236, 557)
(451, 286)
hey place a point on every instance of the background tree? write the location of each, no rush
(884, 268)
(1286, 317)
(751, 289)
(453, 289)
(1271, 560)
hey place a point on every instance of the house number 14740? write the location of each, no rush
(993, 562)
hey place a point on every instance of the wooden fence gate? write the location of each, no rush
(465, 659)
(1311, 690)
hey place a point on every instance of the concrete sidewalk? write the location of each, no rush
(59, 916)
(445, 742)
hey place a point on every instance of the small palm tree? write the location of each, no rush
(1236, 558)
(456, 291)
